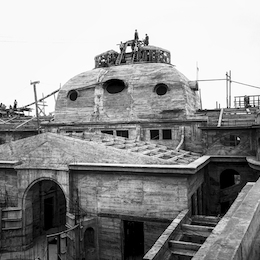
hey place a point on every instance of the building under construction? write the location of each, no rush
(131, 167)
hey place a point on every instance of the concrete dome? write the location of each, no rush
(134, 92)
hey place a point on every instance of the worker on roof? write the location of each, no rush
(136, 37)
(121, 46)
(15, 104)
(146, 40)
(246, 101)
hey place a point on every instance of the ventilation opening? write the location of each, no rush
(114, 86)
(73, 95)
(161, 89)
(154, 134)
(167, 134)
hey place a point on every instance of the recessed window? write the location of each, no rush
(167, 134)
(109, 132)
(123, 133)
(161, 89)
(73, 95)
(114, 86)
(230, 140)
(154, 134)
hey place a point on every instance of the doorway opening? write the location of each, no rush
(133, 240)
(45, 208)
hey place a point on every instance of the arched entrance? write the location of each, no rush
(229, 188)
(45, 208)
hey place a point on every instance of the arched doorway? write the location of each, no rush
(229, 188)
(45, 208)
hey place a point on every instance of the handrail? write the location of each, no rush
(27, 121)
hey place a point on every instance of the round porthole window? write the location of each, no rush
(73, 95)
(114, 86)
(161, 89)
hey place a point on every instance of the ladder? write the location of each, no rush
(120, 56)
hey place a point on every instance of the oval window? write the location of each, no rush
(161, 89)
(73, 95)
(230, 140)
(114, 86)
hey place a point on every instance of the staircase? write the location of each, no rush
(191, 236)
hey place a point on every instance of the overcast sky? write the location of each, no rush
(52, 41)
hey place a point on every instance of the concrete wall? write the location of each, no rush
(115, 197)
(135, 195)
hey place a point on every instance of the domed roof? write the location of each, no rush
(128, 92)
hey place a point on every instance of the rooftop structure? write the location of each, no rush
(131, 167)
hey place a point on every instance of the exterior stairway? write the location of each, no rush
(191, 236)
(183, 237)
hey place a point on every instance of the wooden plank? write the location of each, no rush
(176, 245)
(183, 252)
(205, 219)
(195, 230)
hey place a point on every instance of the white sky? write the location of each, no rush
(52, 41)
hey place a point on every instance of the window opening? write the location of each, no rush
(161, 89)
(114, 86)
(167, 134)
(154, 134)
(230, 140)
(73, 95)
(110, 132)
(122, 133)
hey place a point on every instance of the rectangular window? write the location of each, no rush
(154, 134)
(123, 133)
(110, 132)
(167, 134)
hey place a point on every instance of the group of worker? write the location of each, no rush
(9, 110)
(107, 59)
(145, 41)
(110, 58)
